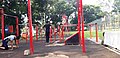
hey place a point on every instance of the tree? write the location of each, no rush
(92, 13)
(116, 6)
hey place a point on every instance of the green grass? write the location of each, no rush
(87, 34)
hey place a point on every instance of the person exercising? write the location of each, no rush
(10, 38)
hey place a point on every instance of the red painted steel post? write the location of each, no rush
(30, 27)
(17, 29)
(59, 32)
(50, 35)
(36, 31)
(62, 33)
(55, 34)
(90, 31)
(82, 19)
(2, 22)
(96, 32)
(26, 35)
(79, 22)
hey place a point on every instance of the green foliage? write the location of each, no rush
(87, 34)
(116, 6)
(51, 9)
(92, 13)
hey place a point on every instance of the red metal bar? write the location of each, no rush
(2, 22)
(55, 34)
(82, 19)
(83, 38)
(36, 31)
(59, 32)
(26, 36)
(50, 34)
(62, 33)
(79, 23)
(96, 32)
(30, 27)
(17, 29)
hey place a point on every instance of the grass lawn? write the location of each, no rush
(87, 34)
(100, 34)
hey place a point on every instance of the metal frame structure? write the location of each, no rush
(2, 23)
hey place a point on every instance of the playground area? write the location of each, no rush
(58, 50)
(56, 29)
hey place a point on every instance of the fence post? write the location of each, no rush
(90, 31)
(96, 32)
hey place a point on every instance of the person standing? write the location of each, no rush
(47, 31)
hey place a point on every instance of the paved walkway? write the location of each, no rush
(42, 50)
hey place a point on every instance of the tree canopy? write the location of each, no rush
(43, 10)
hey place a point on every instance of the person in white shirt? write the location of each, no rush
(10, 38)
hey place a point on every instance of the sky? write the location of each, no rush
(90, 2)
(106, 5)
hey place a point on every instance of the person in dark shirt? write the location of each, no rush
(47, 31)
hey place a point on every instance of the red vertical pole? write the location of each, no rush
(30, 27)
(79, 15)
(17, 29)
(59, 32)
(82, 18)
(55, 34)
(62, 33)
(26, 35)
(36, 31)
(96, 32)
(2, 22)
(90, 31)
(50, 34)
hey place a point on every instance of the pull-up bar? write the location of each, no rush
(2, 21)
(17, 29)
